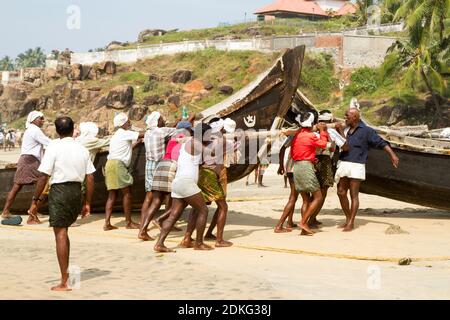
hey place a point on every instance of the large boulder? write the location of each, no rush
(33, 74)
(76, 72)
(113, 45)
(119, 97)
(137, 113)
(227, 90)
(152, 100)
(108, 67)
(174, 100)
(150, 33)
(182, 76)
(194, 86)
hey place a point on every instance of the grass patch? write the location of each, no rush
(317, 80)
(247, 30)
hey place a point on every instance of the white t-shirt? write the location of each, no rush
(120, 146)
(188, 165)
(66, 160)
(34, 141)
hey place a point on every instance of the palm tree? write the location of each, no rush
(425, 54)
(424, 19)
(31, 58)
(6, 64)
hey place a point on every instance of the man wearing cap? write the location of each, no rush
(210, 184)
(33, 144)
(219, 218)
(303, 152)
(163, 177)
(351, 169)
(155, 139)
(117, 176)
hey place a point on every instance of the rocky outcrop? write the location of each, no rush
(137, 113)
(153, 100)
(194, 86)
(150, 33)
(227, 90)
(182, 76)
(174, 100)
(114, 45)
(119, 97)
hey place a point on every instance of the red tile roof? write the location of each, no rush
(302, 6)
(348, 8)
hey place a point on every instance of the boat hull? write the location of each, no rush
(421, 179)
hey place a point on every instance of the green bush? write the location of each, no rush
(317, 79)
(362, 81)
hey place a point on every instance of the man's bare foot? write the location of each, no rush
(306, 230)
(32, 220)
(6, 215)
(109, 227)
(133, 225)
(143, 235)
(61, 287)
(162, 249)
(348, 228)
(223, 244)
(342, 226)
(187, 243)
(281, 230)
(291, 226)
(210, 237)
(203, 247)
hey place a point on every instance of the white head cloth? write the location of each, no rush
(308, 122)
(33, 115)
(326, 116)
(120, 120)
(354, 104)
(229, 125)
(152, 120)
(89, 129)
(217, 126)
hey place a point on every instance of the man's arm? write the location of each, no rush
(281, 170)
(394, 159)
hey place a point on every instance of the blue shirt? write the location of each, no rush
(359, 142)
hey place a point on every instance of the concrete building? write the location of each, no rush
(308, 9)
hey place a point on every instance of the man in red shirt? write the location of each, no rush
(303, 152)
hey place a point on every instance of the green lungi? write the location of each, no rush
(209, 183)
(305, 178)
(117, 175)
(64, 204)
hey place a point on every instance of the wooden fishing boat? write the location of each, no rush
(423, 176)
(261, 105)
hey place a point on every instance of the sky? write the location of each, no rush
(87, 24)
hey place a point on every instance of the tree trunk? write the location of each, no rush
(437, 106)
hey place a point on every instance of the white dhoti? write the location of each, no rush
(350, 170)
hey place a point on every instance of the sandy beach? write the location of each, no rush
(261, 265)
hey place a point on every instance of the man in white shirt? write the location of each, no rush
(2, 139)
(68, 164)
(324, 165)
(117, 176)
(33, 143)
